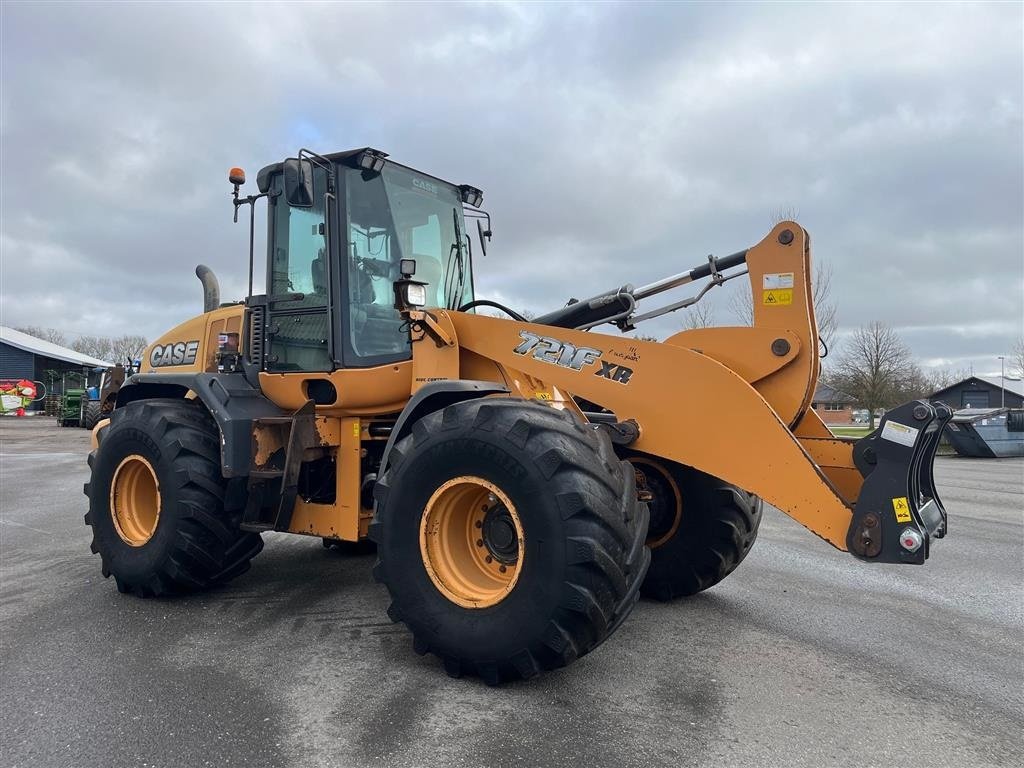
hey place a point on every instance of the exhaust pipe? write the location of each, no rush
(211, 289)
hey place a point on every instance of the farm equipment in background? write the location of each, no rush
(523, 481)
(102, 397)
(17, 394)
(72, 408)
(86, 406)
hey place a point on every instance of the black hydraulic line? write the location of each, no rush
(732, 260)
(488, 303)
(589, 312)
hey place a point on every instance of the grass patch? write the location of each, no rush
(857, 431)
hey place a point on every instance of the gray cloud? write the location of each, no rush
(615, 143)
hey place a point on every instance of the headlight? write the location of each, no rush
(416, 295)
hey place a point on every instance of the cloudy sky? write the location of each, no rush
(615, 143)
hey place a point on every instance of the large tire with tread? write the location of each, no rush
(91, 413)
(194, 543)
(701, 527)
(581, 525)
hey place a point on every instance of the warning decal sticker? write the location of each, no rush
(902, 509)
(895, 432)
(774, 280)
(779, 297)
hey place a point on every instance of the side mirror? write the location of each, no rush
(484, 235)
(298, 183)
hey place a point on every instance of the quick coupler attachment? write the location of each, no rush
(898, 511)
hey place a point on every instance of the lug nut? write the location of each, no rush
(502, 568)
(479, 523)
(911, 540)
(479, 542)
(489, 559)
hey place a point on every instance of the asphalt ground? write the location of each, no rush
(803, 657)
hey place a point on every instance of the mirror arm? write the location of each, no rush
(319, 160)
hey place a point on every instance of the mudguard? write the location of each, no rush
(231, 399)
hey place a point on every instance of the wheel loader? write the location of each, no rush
(523, 481)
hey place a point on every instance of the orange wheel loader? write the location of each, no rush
(524, 481)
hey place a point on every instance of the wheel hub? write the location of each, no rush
(499, 534)
(135, 500)
(665, 504)
(470, 542)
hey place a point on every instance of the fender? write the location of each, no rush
(433, 397)
(233, 402)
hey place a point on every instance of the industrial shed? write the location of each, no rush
(26, 357)
(982, 392)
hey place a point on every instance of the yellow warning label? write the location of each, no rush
(355, 429)
(902, 509)
(541, 395)
(778, 297)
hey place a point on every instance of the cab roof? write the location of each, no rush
(263, 177)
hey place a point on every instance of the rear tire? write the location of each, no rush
(701, 527)
(91, 415)
(571, 569)
(164, 453)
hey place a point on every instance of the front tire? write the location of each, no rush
(156, 502)
(701, 527)
(509, 536)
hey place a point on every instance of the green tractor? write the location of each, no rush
(72, 408)
(86, 407)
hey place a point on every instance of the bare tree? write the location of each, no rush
(94, 346)
(51, 335)
(945, 377)
(699, 315)
(1017, 358)
(127, 348)
(876, 368)
(742, 305)
(785, 213)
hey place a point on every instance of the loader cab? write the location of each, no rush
(337, 231)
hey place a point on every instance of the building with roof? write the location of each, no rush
(982, 392)
(832, 405)
(56, 367)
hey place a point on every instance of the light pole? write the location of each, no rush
(1002, 383)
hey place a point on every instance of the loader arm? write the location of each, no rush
(731, 402)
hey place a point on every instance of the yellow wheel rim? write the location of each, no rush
(471, 542)
(668, 519)
(135, 500)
